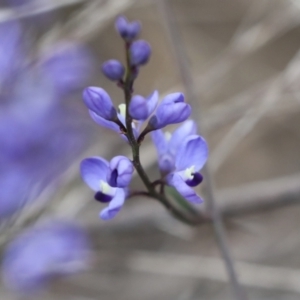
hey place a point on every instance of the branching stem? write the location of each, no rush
(135, 147)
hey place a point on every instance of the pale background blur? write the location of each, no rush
(244, 59)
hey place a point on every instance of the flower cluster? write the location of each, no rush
(181, 155)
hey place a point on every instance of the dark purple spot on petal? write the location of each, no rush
(198, 178)
(103, 198)
(113, 178)
(179, 99)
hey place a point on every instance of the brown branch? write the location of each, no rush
(260, 196)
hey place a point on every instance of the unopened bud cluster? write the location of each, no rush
(139, 50)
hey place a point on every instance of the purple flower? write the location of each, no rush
(167, 144)
(171, 110)
(121, 115)
(140, 52)
(104, 123)
(120, 172)
(127, 30)
(40, 253)
(98, 174)
(141, 108)
(102, 111)
(14, 190)
(11, 49)
(190, 158)
(40, 135)
(113, 69)
(68, 65)
(98, 101)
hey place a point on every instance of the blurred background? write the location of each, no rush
(237, 61)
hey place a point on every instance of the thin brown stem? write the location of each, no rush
(135, 146)
(138, 193)
(157, 182)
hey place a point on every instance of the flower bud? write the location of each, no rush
(171, 110)
(140, 52)
(141, 108)
(98, 101)
(138, 108)
(113, 69)
(121, 170)
(127, 30)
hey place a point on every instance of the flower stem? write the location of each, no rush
(135, 147)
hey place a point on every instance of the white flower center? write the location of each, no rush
(168, 136)
(106, 189)
(189, 173)
(122, 109)
(122, 114)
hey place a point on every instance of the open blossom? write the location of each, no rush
(171, 110)
(112, 125)
(109, 181)
(53, 249)
(107, 123)
(190, 158)
(167, 144)
(102, 110)
(120, 172)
